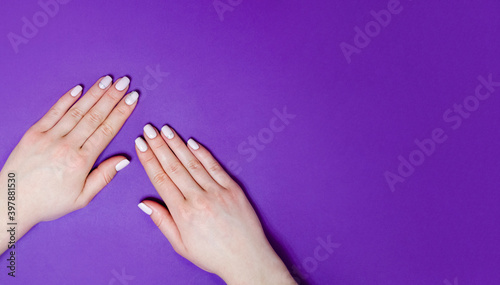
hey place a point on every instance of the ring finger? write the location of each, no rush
(186, 157)
(170, 163)
(99, 112)
(76, 113)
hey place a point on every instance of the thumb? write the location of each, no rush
(101, 176)
(164, 221)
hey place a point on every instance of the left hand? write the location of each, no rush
(53, 160)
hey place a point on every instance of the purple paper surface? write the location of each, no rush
(366, 93)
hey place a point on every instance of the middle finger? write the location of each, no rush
(93, 119)
(170, 163)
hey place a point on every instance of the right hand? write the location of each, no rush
(209, 220)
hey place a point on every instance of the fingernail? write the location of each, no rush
(122, 83)
(122, 164)
(167, 131)
(131, 98)
(150, 131)
(141, 144)
(145, 208)
(105, 82)
(76, 90)
(193, 144)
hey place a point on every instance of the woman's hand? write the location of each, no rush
(53, 160)
(209, 220)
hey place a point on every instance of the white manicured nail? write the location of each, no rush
(167, 131)
(122, 164)
(145, 208)
(193, 144)
(122, 83)
(141, 144)
(131, 98)
(150, 131)
(105, 82)
(76, 90)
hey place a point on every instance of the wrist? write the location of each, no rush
(12, 231)
(16, 218)
(268, 269)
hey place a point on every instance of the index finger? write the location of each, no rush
(161, 181)
(100, 139)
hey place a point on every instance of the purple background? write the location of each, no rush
(323, 175)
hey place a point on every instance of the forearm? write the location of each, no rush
(263, 277)
(262, 268)
(12, 224)
(10, 233)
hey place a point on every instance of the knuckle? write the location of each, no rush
(174, 167)
(76, 113)
(114, 95)
(160, 179)
(107, 177)
(237, 195)
(54, 112)
(185, 212)
(202, 203)
(107, 129)
(70, 158)
(87, 151)
(234, 190)
(32, 135)
(122, 111)
(95, 117)
(220, 195)
(95, 94)
(214, 167)
(224, 198)
(193, 165)
(81, 162)
(149, 158)
(158, 145)
(159, 221)
(175, 143)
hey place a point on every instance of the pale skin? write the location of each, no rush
(209, 220)
(53, 160)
